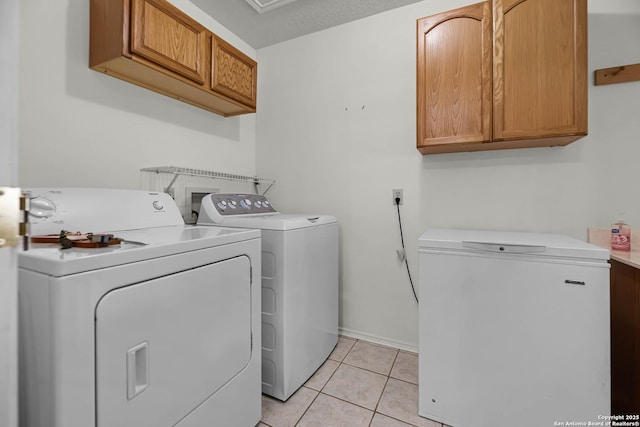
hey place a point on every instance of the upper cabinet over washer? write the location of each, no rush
(153, 44)
(168, 37)
(502, 74)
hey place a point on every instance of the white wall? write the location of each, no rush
(8, 177)
(79, 127)
(336, 127)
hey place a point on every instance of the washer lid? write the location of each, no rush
(540, 244)
(280, 222)
(157, 242)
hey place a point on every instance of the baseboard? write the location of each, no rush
(378, 340)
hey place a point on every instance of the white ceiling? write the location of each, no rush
(291, 20)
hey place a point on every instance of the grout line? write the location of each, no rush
(346, 401)
(325, 384)
(350, 350)
(330, 376)
(377, 345)
(375, 410)
(307, 408)
(365, 369)
(386, 382)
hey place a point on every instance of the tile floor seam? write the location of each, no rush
(346, 401)
(407, 382)
(375, 411)
(384, 388)
(329, 379)
(364, 369)
(395, 419)
(307, 409)
(372, 344)
(385, 385)
(355, 340)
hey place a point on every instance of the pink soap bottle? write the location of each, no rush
(620, 236)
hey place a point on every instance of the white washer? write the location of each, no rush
(154, 334)
(299, 285)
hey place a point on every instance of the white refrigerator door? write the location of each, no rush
(511, 339)
(166, 345)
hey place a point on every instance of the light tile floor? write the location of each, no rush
(361, 384)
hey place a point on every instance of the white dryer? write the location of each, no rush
(299, 285)
(160, 330)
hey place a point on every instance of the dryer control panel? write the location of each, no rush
(99, 209)
(216, 206)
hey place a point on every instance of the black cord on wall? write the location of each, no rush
(406, 262)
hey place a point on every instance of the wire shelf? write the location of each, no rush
(178, 171)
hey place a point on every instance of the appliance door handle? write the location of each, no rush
(137, 370)
(504, 248)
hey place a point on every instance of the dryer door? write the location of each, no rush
(164, 346)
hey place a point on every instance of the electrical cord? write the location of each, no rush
(406, 262)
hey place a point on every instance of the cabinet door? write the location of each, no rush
(233, 73)
(454, 77)
(625, 338)
(166, 36)
(539, 68)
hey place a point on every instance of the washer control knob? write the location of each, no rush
(245, 204)
(41, 207)
(258, 204)
(266, 203)
(157, 205)
(222, 205)
(233, 204)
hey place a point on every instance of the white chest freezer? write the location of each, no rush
(514, 329)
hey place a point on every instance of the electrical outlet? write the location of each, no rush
(397, 194)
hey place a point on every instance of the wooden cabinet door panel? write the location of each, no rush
(539, 68)
(163, 34)
(625, 338)
(454, 77)
(233, 73)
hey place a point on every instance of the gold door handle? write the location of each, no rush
(14, 217)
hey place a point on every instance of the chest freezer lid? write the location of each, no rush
(539, 244)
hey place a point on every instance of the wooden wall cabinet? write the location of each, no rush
(454, 77)
(153, 44)
(502, 74)
(233, 73)
(625, 339)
